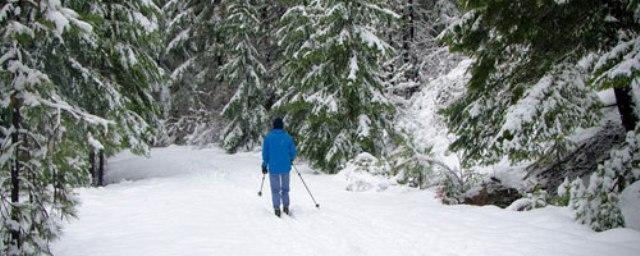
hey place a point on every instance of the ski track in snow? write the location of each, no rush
(187, 201)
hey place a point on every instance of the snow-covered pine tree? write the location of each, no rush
(335, 102)
(419, 56)
(131, 42)
(270, 13)
(60, 79)
(537, 67)
(245, 114)
(598, 204)
(530, 85)
(193, 55)
(401, 69)
(294, 29)
(433, 59)
(616, 67)
(121, 64)
(34, 115)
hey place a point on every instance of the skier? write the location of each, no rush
(278, 153)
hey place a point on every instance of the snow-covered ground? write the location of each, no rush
(186, 201)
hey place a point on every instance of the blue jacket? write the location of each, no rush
(278, 151)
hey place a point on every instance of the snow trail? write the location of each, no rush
(185, 201)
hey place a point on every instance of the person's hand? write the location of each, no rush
(264, 169)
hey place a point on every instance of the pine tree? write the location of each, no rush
(270, 13)
(598, 204)
(534, 72)
(419, 57)
(294, 29)
(432, 58)
(401, 69)
(335, 102)
(538, 66)
(245, 113)
(122, 65)
(193, 55)
(196, 51)
(33, 31)
(63, 79)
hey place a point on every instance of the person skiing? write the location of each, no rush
(278, 153)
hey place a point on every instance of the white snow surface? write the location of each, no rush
(630, 205)
(188, 201)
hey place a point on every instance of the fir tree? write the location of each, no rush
(532, 81)
(538, 66)
(598, 204)
(245, 113)
(419, 57)
(335, 101)
(62, 80)
(32, 101)
(121, 73)
(270, 13)
(193, 55)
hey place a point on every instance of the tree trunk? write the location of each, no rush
(101, 169)
(15, 171)
(219, 39)
(408, 32)
(266, 27)
(92, 168)
(580, 161)
(626, 107)
(408, 38)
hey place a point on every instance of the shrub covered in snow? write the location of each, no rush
(430, 136)
(366, 172)
(598, 204)
(530, 201)
(456, 185)
(408, 166)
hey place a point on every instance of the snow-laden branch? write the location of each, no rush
(64, 106)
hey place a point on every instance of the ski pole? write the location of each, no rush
(261, 185)
(305, 186)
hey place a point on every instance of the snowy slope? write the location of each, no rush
(422, 119)
(203, 202)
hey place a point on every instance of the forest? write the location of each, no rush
(519, 104)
